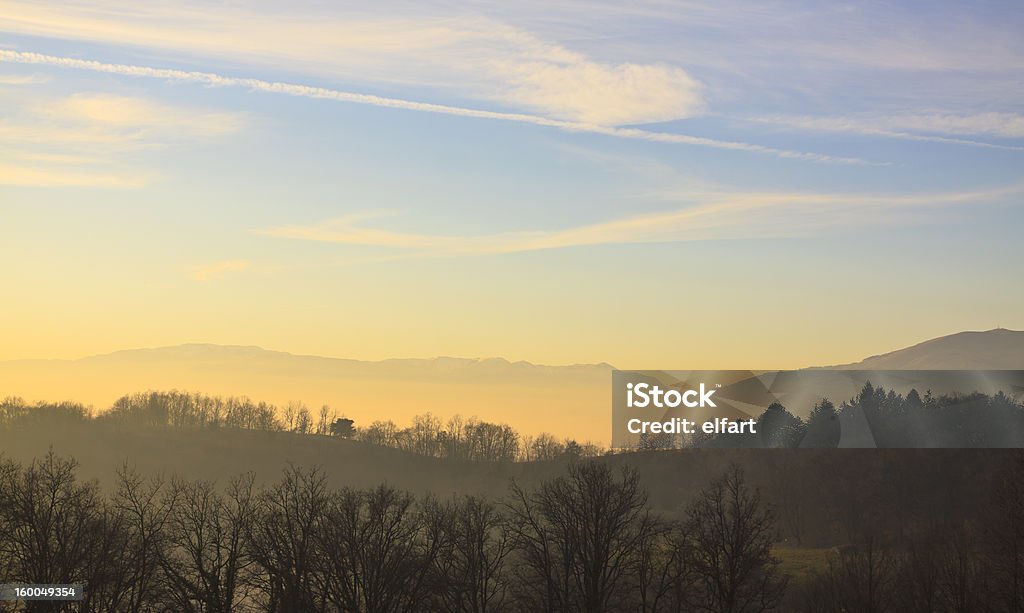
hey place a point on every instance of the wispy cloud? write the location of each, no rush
(85, 139)
(711, 215)
(11, 79)
(930, 127)
(142, 118)
(587, 61)
(467, 55)
(50, 176)
(307, 91)
(112, 122)
(208, 272)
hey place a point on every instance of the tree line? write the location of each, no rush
(954, 421)
(586, 540)
(458, 438)
(943, 566)
(894, 420)
(583, 541)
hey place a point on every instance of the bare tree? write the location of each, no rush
(662, 566)
(1006, 535)
(577, 538)
(324, 421)
(377, 551)
(57, 530)
(919, 576)
(478, 544)
(858, 578)
(290, 412)
(283, 540)
(207, 564)
(544, 447)
(962, 578)
(732, 535)
(380, 433)
(303, 421)
(144, 510)
(424, 436)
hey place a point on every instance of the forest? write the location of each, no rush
(586, 540)
(895, 421)
(183, 502)
(456, 438)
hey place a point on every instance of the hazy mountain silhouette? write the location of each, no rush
(568, 401)
(998, 349)
(565, 400)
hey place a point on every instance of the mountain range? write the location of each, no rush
(998, 349)
(564, 400)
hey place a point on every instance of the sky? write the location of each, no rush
(652, 184)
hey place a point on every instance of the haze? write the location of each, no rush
(733, 186)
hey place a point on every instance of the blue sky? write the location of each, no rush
(667, 185)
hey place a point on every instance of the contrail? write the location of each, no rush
(306, 91)
(856, 128)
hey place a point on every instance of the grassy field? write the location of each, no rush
(800, 563)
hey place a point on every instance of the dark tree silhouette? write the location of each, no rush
(144, 510)
(946, 525)
(662, 567)
(1006, 535)
(822, 426)
(858, 578)
(57, 530)
(732, 535)
(342, 427)
(207, 564)
(578, 537)
(283, 540)
(378, 550)
(478, 543)
(779, 428)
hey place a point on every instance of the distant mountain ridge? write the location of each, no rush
(210, 351)
(998, 349)
(565, 400)
(568, 401)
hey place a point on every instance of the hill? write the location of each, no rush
(925, 479)
(997, 349)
